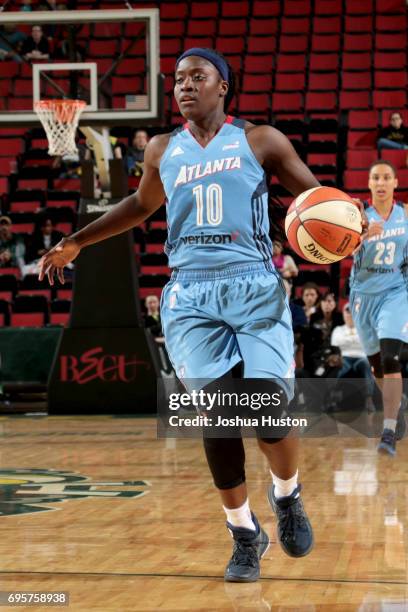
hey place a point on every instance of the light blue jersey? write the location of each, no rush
(382, 262)
(217, 210)
(379, 282)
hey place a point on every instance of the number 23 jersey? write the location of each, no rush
(382, 262)
(217, 200)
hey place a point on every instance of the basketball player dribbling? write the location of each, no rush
(379, 295)
(225, 303)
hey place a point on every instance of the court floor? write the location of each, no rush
(99, 508)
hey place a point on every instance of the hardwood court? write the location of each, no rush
(162, 543)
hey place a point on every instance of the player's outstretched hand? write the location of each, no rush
(57, 258)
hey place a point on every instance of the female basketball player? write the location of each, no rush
(379, 296)
(224, 303)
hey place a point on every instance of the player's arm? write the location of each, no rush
(276, 154)
(131, 211)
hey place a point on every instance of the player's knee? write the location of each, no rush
(376, 365)
(390, 355)
(226, 460)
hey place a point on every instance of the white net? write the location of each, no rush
(60, 121)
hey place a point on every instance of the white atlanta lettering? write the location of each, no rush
(198, 171)
(389, 233)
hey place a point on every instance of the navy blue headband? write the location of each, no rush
(209, 55)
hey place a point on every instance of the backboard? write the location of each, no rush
(109, 58)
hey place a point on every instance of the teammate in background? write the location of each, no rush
(378, 295)
(225, 303)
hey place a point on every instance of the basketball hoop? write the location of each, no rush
(60, 121)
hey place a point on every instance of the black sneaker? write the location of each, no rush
(401, 424)
(295, 532)
(249, 547)
(387, 442)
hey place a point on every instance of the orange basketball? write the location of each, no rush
(323, 225)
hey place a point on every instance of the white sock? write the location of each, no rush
(240, 517)
(283, 488)
(390, 424)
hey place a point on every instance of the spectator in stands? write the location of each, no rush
(310, 297)
(299, 319)
(12, 247)
(36, 46)
(135, 153)
(26, 6)
(152, 317)
(284, 264)
(322, 359)
(11, 42)
(354, 360)
(395, 135)
(44, 237)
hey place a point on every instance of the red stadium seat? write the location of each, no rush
(356, 61)
(327, 25)
(390, 23)
(354, 99)
(145, 291)
(257, 83)
(203, 9)
(235, 9)
(362, 139)
(360, 158)
(27, 319)
(266, 8)
(362, 7)
(290, 63)
(169, 10)
(169, 46)
(260, 44)
(254, 103)
(290, 25)
(356, 80)
(323, 81)
(357, 42)
(390, 80)
(287, 102)
(172, 28)
(358, 24)
(64, 294)
(106, 30)
(232, 27)
(403, 178)
(4, 186)
(390, 6)
(232, 45)
(293, 44)
(389, 99)
(355, 179)
(258, 64)
(201, 27)
(389, 61)
(290, 82)
(395, 156)
(263, 27)
(326, 43)
(323, 62)
(102, 48)
(393, 42)
(321, 101)
(363, 119)
(296, 8)
(33, 184)
(328, 7)
(25, 206)
(11, 146)
(8, 69)
(321, 159)
(59, 318)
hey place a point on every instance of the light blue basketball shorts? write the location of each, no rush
(380, 316)
(214, 319)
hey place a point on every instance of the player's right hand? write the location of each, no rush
(57, 258)
(375, 228)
